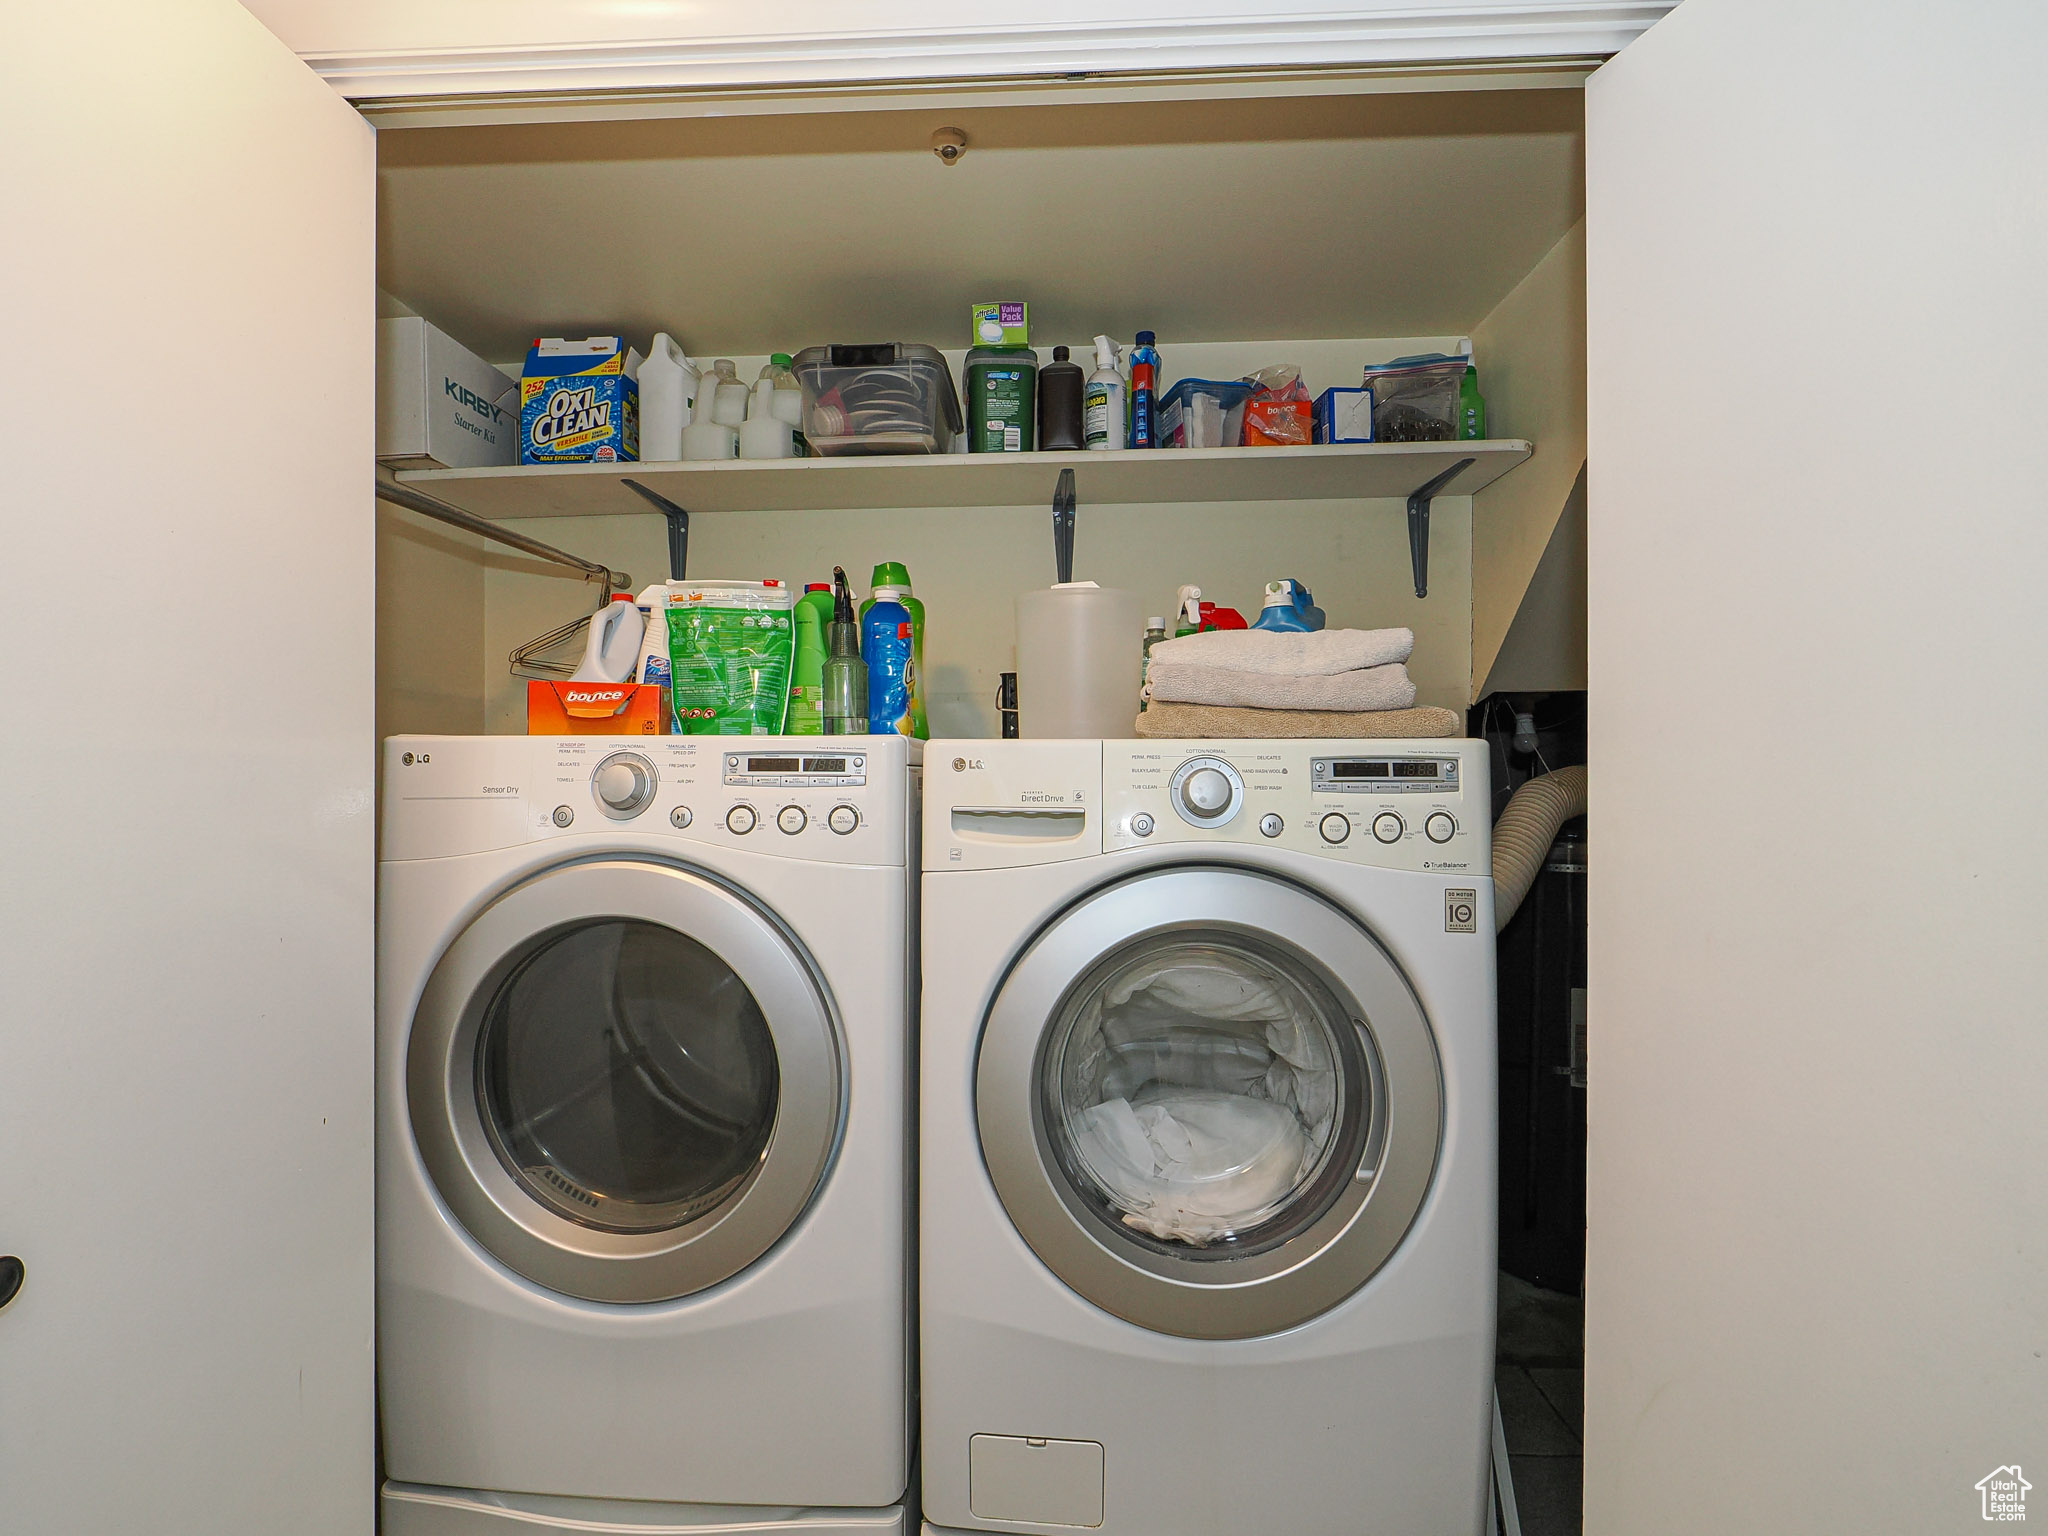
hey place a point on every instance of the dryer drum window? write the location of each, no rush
(626, 1076)
(625, 1080)
(1206, 1094)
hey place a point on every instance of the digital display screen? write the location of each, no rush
(1415, 770)
(774, 765)
(1358, 770)
(824, 765)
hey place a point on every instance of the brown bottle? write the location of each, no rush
(1059, 403)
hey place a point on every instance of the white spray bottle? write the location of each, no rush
(1103, 399)
(653, 665)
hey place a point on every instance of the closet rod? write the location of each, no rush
(455, 517)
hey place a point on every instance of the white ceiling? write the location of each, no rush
(1380, 215)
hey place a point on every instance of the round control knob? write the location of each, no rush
(624, 783)
(1142, 824)
(741, 820)
(1271, 825)
(1334, 827)
(679, 818)
(791, 819)
(842, 819)
(1387, 827)
(1205, 792)
(1439, 828)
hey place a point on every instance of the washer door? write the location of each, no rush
(625, 1081)
(1209, 1101)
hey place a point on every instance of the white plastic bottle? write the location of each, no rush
(668, 386)
(731, 407)
(765, 435)
(705, 438)
(1103, 399)
(613, 648)
(789, 398)
(653, 665)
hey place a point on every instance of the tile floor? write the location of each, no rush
(1539, 1371)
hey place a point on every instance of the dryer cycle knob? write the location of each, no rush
(1334, 827)
(1388, 827)
(1206, 792)
(624, 783)
(741, 820)
(791, 819)
(842, 819)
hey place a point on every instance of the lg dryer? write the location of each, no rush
(644, 1009)
(1207, 1139)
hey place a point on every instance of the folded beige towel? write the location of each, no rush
(1321, 654)
(1384, 687)
(1209, 722)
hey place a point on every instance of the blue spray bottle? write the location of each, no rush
(1144, 392)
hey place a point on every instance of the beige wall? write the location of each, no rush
(1531, 352)
(1816, 1280)
(430, 627)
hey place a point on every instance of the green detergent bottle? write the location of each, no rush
(807, 666)
(893, 573)
(1002, 400)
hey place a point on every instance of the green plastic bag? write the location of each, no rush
(729, 646)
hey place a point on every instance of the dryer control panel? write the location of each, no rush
(1421, 805)
(846, 800)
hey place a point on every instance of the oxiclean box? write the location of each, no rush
(579, 402)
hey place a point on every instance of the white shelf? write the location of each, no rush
(1319, 473)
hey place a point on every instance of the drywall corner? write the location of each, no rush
(1544, 650)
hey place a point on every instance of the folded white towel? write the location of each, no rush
(1323, 653)
(1386, 687)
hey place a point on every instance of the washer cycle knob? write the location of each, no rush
(624, 783)
(1206, 792)
(1439, 828)
(1335, 827)
(1388, 827)
(741, 820)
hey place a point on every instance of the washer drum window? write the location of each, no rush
(1209, 1101)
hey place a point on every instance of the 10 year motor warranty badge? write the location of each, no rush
(1461, 911)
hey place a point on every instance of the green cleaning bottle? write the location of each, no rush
(1471, 407)
(807, 665)
(893, 573)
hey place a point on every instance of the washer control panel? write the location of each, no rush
(1401, 804)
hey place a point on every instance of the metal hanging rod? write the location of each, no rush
(455, 517)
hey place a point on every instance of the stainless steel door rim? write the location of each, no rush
(521, 1231)
(1363, 1219)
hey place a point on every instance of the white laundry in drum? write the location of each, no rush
(1201, 1093)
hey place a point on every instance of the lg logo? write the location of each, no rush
(962, 764)
(408, 759)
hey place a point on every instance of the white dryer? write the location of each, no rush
(644, 1013)
(1207, 1146)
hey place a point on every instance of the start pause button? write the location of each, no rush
(1461, 911)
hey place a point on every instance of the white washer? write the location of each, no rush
(1207, 1139)
(643, 1021)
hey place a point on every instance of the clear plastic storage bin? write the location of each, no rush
(1415, 399)
(891, 397)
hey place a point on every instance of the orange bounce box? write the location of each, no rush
(596, 709)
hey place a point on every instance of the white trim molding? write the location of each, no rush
(1473, 32)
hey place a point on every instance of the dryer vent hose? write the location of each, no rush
(1525, 831)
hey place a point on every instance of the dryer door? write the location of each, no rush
(1209, 1101)
(625, 1080)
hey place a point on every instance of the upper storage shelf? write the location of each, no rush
(1326, 472)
